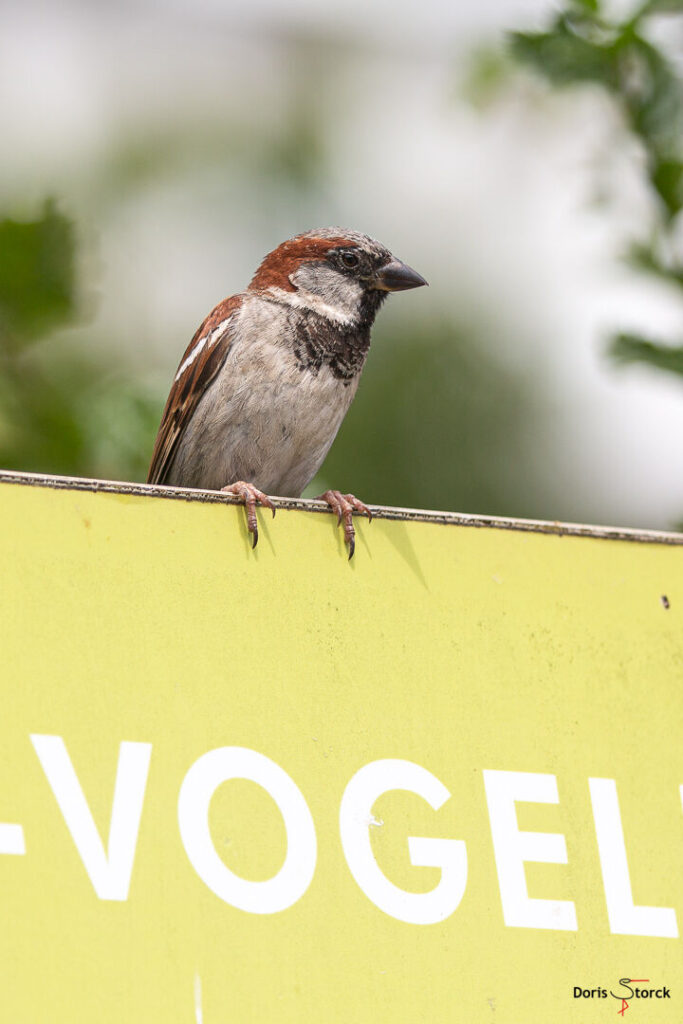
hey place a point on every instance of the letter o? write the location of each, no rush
(198, 787)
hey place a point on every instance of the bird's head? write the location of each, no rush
(337, 273)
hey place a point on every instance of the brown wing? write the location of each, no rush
(201, 362)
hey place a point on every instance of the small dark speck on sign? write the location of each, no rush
(665, 601)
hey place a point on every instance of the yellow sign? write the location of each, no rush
(441, 782)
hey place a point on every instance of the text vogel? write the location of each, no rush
(110, 868)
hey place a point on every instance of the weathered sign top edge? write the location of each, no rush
(379, 511)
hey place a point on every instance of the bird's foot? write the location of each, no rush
(344, 505)
(250, 495)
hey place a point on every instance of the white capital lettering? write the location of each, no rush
(450, 855)
(199, 785)
(625, 918)
(109, 871)
(513, 847)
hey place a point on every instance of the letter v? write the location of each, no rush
(109, 872)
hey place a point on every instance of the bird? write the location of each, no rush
(267, 379)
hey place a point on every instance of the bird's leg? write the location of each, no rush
(250, 495)
(345, 505)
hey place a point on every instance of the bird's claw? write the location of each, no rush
(250, 495)
(344, 505)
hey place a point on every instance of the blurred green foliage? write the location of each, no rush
(584, 44)
(62, 408)
(37, 287)
(628, 348)
(437, 423)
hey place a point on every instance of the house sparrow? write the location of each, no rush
(265, 383)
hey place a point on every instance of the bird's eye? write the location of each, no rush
(349, 259)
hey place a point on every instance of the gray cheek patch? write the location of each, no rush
(319, 285)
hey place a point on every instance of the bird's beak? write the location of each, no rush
(397, 277)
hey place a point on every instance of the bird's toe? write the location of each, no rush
(250, 495)
(344, 505)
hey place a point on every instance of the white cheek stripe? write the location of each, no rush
(303, 299)
(209, 340)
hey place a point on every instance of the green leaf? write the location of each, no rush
(593, 6)
(644, 257)
(667, 177)
(629, 348)
(37, 275)
(564, 57)
(652, 94)
(661, 7)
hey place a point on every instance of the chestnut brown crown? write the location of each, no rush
(350, 254)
